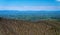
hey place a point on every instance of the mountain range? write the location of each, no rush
(29, 15)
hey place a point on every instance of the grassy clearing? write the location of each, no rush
(20, 27)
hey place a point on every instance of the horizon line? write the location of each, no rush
(31, 10)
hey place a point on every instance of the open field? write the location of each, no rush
(20, 27)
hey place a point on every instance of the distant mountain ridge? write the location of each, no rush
(27, 12)
(27, 15)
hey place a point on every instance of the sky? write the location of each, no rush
(30, 5)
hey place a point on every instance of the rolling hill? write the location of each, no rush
(21, 27)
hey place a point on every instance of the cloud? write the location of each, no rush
(30, 8)
(58, 0)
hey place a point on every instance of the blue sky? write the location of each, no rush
(29, 5)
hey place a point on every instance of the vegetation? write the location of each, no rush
(23, 27)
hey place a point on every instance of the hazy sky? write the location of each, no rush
(29, 4)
